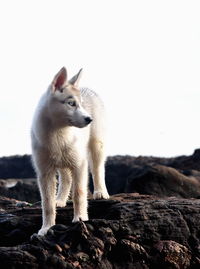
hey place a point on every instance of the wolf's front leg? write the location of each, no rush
(80, 185)
(47, 186)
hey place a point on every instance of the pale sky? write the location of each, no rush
(141, 57)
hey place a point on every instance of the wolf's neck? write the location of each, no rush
(61, 133)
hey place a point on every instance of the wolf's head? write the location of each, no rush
(65, 102)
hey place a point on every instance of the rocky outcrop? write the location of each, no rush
(152, 175)
(162, 181)
(151, 225)
(127, 231)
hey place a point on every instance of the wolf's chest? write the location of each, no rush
(63, 157)
(67, 148)
(63, 152)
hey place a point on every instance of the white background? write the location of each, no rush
(142, 57)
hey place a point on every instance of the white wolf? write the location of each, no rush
(67, 132)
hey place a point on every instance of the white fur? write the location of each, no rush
(63, 142)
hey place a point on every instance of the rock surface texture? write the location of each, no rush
(127, 231)
(154, 222)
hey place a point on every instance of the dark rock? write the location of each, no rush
(172, 255)
(16, 167)
(15, 257)
(186, 162)
(118, 169)
(162, 181)
(25, 191)
(127, 231)
(121, 172)
(9, 203)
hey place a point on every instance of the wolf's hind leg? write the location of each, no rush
(64, 187)
(97, 166)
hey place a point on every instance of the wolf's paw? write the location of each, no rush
(43, 231)
(60, 203)
(78, 218)
(100, 195)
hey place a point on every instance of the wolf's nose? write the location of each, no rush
(88, 120)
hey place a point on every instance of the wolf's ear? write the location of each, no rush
(75, 80)
(60, 79)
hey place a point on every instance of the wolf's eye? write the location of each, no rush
(71, 103)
